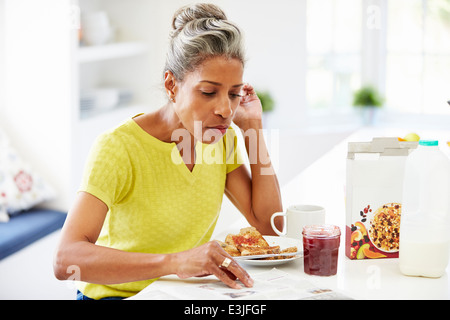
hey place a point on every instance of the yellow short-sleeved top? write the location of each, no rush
(156, 205)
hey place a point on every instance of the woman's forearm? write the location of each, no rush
(89, 262)
(266, 196)
(102, 265)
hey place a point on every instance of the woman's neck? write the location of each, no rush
(170, 124)
(165, 125)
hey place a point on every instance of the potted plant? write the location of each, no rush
(267, 104)
(368, 100)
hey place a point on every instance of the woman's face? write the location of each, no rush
(207, 99)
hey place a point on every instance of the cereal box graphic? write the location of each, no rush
(373, 197)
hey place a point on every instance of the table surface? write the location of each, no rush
(323, 183)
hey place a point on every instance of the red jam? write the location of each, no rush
(320, 249)
(244, 241)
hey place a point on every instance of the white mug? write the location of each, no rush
(296, 217)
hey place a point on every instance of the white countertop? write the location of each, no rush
(323, 183)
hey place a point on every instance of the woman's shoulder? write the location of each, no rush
(112, 135)
(116, 139)
(130, 140)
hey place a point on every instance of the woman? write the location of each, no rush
(150, 198)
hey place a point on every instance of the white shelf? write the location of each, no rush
(111, 51)
(116, 114)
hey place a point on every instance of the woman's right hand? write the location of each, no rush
(206, 260)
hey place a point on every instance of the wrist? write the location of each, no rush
(171, 263)
(254, 124)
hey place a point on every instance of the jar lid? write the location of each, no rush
(321, 231)
(428, 143)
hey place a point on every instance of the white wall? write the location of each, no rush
(2, 56)
(37, 83)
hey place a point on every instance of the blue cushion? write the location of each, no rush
(28, 227)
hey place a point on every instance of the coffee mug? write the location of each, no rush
(296, 217)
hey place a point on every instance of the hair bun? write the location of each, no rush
(199, 32)
(197, 11)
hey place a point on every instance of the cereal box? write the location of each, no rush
(374, 190)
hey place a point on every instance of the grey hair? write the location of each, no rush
(200, 32)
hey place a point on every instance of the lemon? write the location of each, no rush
(412, 137)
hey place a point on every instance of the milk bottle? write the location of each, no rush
(425, 220)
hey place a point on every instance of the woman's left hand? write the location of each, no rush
(249, 108)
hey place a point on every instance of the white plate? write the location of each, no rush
(284, 243)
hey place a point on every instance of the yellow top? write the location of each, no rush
(156, 205)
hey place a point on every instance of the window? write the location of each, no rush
(407, 55)
(333, 36)
(418, 56)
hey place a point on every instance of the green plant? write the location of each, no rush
(367, 96)
(267, 101)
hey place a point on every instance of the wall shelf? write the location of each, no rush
(111, 51)
(122, 111)
(61, 73)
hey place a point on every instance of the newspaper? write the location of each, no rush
(268, 285)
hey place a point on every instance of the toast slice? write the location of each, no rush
(230, 249)
(248, 242)
(288, 250)
(249, 237)
(252, 251)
